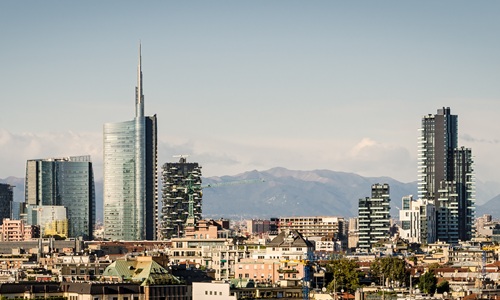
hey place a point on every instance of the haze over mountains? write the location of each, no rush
(280, 192)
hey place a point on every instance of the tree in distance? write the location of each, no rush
(443, 286)
(345, 275)
(390, 269)
(427, 283)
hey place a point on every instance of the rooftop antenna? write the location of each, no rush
(182, 157)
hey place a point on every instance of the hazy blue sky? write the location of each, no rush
(243, 85)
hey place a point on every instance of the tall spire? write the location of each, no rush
(139, 97)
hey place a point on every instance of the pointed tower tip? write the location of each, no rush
(140, 52)
(139, 97)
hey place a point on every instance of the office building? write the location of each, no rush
(446, 177)
(418, 220)
(130, 179)
(6, 199)
(374, 220)
(67, 182)
(181, 197)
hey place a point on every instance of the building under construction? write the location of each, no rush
(181, 197)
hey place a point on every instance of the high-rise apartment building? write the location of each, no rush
(181, 181)
(374, 220)
(446, 177)
(67, 182)
(130, 179)
(6, 199)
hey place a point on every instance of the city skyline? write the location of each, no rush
(330, 85)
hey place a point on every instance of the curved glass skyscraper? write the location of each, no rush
(130, 178)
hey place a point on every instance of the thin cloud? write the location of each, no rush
(17, 148)
(469, 138)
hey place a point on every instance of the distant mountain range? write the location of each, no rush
(294, 193)
(280, 192)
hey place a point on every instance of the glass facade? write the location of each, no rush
(130, 179)
(6, 198)
(119, 181)
(66, 182)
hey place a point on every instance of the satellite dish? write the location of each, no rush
(323, 289)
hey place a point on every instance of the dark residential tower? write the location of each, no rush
(6, 199)
(374, 218)
(446, 177)
(177, 179)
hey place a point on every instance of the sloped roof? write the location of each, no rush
(146, 271)
(291, 238)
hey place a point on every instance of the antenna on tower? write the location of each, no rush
(182, 157)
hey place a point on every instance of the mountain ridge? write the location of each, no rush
(285, 192)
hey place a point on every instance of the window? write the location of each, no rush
(406, 225)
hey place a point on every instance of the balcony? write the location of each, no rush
(288, 271)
